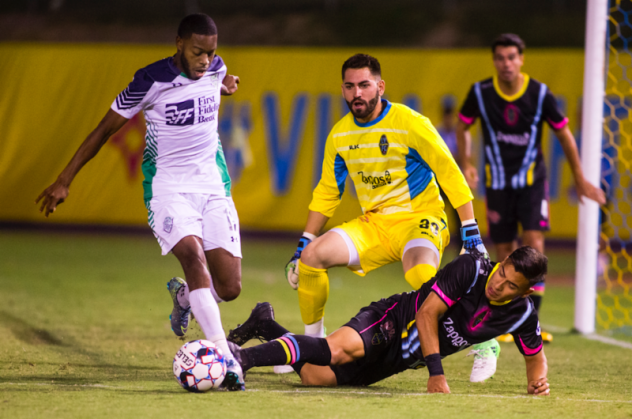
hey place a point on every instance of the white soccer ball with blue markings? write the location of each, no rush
(199, 366)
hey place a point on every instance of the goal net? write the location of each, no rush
(614, 296)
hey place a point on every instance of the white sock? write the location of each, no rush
(183, 295)
(206, 312)
(215, 296)
(316, 330)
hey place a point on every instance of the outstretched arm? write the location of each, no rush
(464, 155)
(537, 369)
(584, 188)
(56, 193)
(427, 320)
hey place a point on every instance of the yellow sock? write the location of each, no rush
(313, 291)
(419, 275)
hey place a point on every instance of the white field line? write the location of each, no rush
(610, 341)
(491, 396)
(342, 392)
(591, 336)
(555, 329)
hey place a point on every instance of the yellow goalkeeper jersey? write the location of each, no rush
(395, 162)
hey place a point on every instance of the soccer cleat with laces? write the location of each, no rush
(179, 316)
(234, 379)
(485, 358)
(250, 329)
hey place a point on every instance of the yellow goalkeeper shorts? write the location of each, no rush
(380, 239)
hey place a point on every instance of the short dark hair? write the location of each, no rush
(197, 23)
(509, 40)
(363, 61)
(530, 263)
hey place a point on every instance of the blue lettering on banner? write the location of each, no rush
(412, 101)
(323, 126)
(234, 127)
(283, 147)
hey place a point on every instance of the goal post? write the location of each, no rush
(592, 129)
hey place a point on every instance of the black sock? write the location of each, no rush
(270, 330)
(537, 301)
(288, 350)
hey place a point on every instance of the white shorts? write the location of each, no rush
(212, 218)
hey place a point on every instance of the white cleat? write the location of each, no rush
(485, 360)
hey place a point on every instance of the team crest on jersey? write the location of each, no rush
(383, 145)
(377, 339)
(511, 114)
(167, 225)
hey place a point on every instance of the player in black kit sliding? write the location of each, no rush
(469, 301)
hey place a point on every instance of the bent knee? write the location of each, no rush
(309, 256)
(228, 291)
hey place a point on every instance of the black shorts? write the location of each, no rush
(508, 207)
(379, 326)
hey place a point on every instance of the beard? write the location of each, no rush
(186, 67)
(369, 107)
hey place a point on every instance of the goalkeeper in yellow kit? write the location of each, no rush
(396, 159)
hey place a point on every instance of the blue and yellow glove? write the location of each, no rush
(472, 241)
(291, 269)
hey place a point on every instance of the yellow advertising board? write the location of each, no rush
(272, 130)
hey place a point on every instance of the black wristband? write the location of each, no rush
(433, 362)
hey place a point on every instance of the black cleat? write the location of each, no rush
(250, 329)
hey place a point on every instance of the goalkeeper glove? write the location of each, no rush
(472, 241)
(291, 269)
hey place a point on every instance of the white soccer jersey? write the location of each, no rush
(183, 153)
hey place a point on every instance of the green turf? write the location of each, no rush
(84, 333)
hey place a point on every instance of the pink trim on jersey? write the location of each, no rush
(441, 295)
(528, 351)
(558, 125)
(417, 303)
(467, 120)
(291, 347)
(383, 317)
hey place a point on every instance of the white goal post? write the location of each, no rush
(592, 131)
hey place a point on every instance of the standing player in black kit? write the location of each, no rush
(512, 108)
(469, 301)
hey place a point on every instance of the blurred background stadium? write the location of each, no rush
(71, 282)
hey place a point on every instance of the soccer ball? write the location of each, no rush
(199, 366)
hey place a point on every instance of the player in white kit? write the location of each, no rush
(186, 186)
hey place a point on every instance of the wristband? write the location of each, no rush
(310, 236)
(433, 363)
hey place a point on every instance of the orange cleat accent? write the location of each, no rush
(506, 338)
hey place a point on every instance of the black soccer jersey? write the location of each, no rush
(512, 130)
(471, 318)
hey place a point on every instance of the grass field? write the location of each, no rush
(84, 332)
